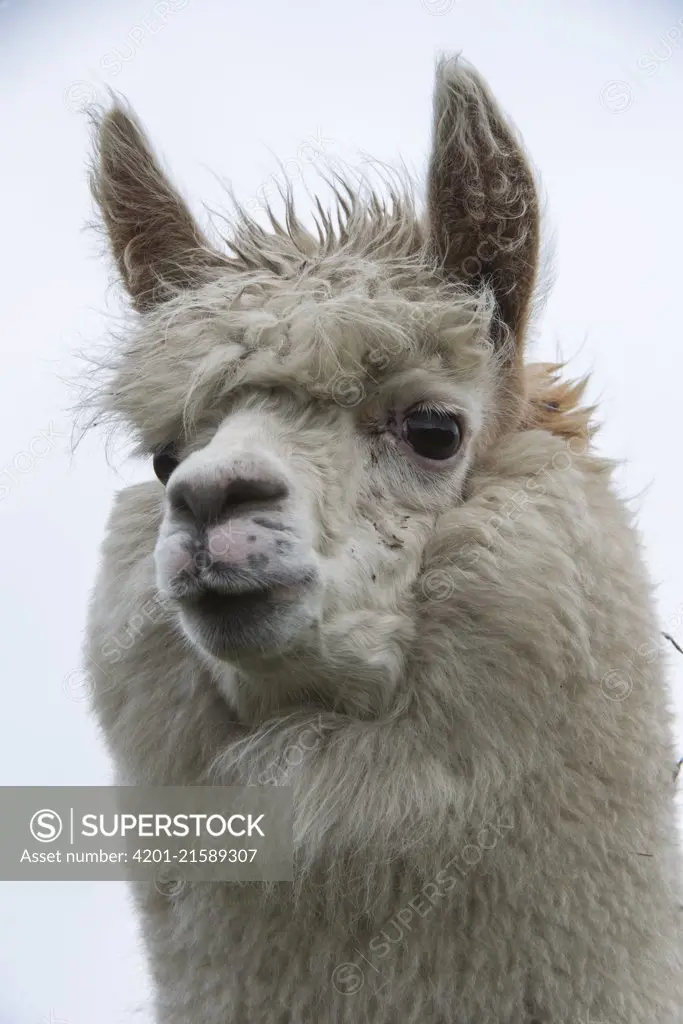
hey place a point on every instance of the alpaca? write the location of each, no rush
(376, 526)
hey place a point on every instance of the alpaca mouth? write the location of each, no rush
(263, 618)
(215, 582)
(212, 603)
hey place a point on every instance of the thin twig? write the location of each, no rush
(679, 764)
(671, 640)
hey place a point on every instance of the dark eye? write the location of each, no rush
(433, 435)
(165, 462)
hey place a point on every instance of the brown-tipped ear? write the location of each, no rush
(484, 216)
(157, 245)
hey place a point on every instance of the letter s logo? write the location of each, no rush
(46, 826)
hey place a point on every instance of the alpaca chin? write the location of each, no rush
(335, 666)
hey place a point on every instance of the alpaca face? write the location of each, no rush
(297, 512)
(315, 404)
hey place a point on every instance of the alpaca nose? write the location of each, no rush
(213, 494)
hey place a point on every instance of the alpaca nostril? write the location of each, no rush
(180, 500)
(207, 499)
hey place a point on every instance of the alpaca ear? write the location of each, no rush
(157, 245)
(483, 205)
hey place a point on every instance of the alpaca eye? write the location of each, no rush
(164, 462)
(433, 435)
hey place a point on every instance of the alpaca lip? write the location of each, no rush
(228, 597)
(230, 587)
(220, 607)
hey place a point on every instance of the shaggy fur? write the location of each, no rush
(483, 781)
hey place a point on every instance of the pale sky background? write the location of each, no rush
(597, 91)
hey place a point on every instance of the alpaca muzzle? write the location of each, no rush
(232, 556)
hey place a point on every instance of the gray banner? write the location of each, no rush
(165, 834)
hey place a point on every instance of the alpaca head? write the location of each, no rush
(315, 401)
